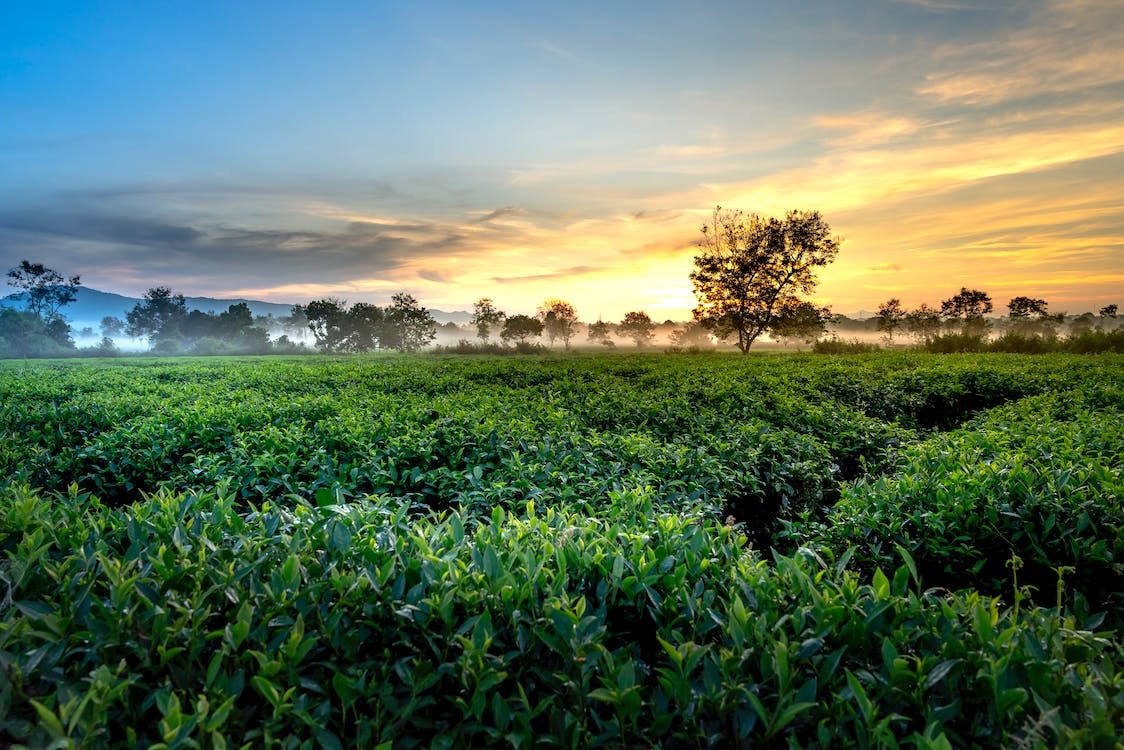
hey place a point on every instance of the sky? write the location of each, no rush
(289, 151)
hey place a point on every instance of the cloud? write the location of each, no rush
(564, 273)
(1065, 47)
(885, 268)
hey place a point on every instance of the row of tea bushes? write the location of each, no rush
(1030, 494)
(186, 621)
(760, 438)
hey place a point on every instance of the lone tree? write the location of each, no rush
(520, 328)
(638, 327)
(486, 316)
(751, 267)
(891, 316)
(46, 290)
(558, 319)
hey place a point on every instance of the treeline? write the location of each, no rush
(961, 323)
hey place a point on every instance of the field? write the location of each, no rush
(893, 550)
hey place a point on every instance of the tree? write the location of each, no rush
(364, 327)
(520, 328)
(112, 326)
(751, 266)
(409, 326)
(968, 307)
(157, 317)
(638, 327)
(691, 334)
(558, 318)
(802, 321)
(1030, 316)
(891, 316)
(924, 323)
(600, 332)
(1108, 311)
(485, 316)
(46, 290)
(327, 319)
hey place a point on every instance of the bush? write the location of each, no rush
(1039, 482)
(835, 345)
(953, 343)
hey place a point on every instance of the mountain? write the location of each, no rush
(91, 305)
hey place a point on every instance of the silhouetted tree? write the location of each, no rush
(327, 319)
(364, 327)
(891, 316)
(409, 326)
(559, 319)
(751, 266)
(802, 321)
(520, 328)
(485, 316)
(157, 317)
(1108, 311)
(967, 308)
(1029, 315)
(924, 323)
(45, 290)
(600, 332)
(638, 327)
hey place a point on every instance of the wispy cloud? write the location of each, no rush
(1065, 47)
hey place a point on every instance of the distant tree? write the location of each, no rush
(46, 290)
(559, 320)
(967, 308)
(409, 326)
(638, 327)
(891, 316)
(750, 267)
(1108, 311)
(157, 317)
(296, 322)
(924, 323)
(520, 328)
(485, 316)
(691, 334)
(1028, 315)
(327, 319)
(112, 327)
(600, 333)
(1025, 308)
(365, 327)
(25, 334)
(801, 321)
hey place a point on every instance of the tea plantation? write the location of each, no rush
(893, 550)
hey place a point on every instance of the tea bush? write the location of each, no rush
(611, 551)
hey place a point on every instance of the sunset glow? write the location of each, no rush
(517, 152)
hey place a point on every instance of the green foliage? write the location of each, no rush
(579, 551)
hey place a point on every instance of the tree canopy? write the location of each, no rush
(559, 320)
(638, 327)
(751, 267)
(46, 290)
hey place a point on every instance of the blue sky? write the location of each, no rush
(288, 151)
